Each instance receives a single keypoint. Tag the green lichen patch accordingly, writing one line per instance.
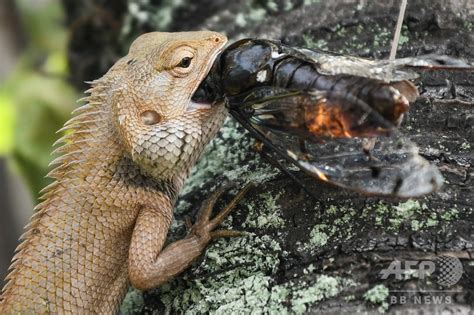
(252, 12)
(358, 38)
(310, 2)
(450, 214)
(403, 212)
(378, 295)
(318, 237)
(221, 157)
(264, 212)
(469, 26)
(311, 43)
(144, 12)
(335, 227)
(323, 288)
(133, 302)
(466, 146)
(237, 276)
(233, 274)
(411, 215)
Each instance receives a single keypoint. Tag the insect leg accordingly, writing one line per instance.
(273, 161)
(267, 156)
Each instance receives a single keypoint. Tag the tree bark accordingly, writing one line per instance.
(328, 254)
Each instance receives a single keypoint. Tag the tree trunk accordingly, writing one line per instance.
(341, 252)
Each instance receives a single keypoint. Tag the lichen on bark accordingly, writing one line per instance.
(301, 254)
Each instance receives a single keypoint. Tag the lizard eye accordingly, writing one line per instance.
(181, 61)
(185, 62)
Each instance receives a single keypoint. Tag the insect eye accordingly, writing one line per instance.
(185, 62)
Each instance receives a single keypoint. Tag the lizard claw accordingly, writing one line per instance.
(231, 205)
(206, 208)
(205, 226)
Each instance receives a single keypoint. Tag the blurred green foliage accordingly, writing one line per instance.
(7, 116)
(36, 99)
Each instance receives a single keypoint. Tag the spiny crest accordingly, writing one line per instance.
(83, 125)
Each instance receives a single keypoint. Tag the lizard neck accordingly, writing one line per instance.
(94, 153)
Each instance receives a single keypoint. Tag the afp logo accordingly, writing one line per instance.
(447, 270)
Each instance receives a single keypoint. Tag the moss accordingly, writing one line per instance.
(341, 217)
(337, 228)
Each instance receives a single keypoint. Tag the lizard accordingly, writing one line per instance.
(102, 224)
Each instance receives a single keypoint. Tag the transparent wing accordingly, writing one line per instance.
(337, 139)
(386, 70)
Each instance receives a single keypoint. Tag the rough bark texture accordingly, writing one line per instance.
(302, 254)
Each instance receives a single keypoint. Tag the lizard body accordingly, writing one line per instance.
(104, 220)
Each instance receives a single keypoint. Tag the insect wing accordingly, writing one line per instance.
(386, 70)
(338, 140)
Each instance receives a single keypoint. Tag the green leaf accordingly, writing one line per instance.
(7, 122)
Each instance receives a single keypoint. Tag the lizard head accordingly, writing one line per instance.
(163, 70)
(162, 129)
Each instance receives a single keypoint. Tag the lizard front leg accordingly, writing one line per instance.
(149, 265)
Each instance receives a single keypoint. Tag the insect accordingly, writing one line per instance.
(297, 101)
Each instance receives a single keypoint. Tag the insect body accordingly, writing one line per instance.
(297, 101)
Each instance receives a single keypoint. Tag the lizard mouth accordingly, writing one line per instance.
(208, 93)
(210, 90)
(198, 105)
